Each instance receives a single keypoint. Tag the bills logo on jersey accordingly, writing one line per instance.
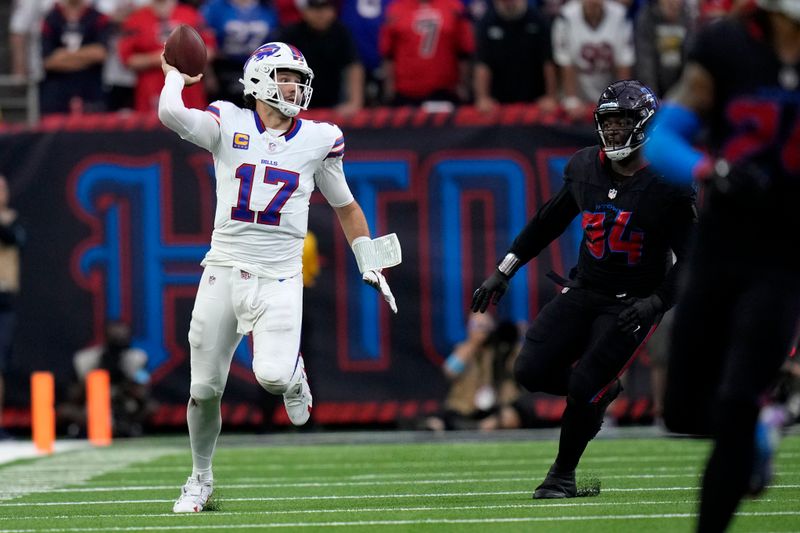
(241, 141)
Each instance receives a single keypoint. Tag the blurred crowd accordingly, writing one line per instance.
(104, 55)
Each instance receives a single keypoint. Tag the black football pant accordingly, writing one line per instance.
(733, 328)
(574, 348)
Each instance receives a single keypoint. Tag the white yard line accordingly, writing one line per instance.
(586, 464)
(352, 496)
(256, 483)
(14, 450)
(531, 505)
(423, 521)
(70, 468)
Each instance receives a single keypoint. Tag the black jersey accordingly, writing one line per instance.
(755, 125)
(631, 226)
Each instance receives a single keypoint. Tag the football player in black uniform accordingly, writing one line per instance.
(740, 307)
(632, 222)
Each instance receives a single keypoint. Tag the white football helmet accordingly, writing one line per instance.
(261, 82)
(790, 8)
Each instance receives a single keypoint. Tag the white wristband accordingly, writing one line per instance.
(509, 264)
(375, 254)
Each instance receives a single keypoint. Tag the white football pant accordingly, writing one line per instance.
(229, 304)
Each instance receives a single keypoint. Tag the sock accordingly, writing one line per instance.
(205, 422)
(579, 424)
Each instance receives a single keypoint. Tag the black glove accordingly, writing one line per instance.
(490, 290)
(639, 311)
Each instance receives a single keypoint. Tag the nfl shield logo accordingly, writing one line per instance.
(612, 193)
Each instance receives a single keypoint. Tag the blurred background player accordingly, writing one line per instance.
(632, 221)
(267, 164)
(739, 310)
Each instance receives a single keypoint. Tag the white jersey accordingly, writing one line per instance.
(594, 52)
(264, 180)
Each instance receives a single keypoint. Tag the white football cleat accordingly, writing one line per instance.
(298, 398)
(194, 496)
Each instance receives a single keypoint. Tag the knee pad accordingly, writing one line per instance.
(202, 392)
(272, 378)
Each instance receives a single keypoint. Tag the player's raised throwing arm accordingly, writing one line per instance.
(196, 126)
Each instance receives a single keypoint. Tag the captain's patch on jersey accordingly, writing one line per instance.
(241, 141)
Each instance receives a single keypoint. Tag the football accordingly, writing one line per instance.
(185, 50)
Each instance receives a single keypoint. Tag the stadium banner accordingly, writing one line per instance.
(119, 213)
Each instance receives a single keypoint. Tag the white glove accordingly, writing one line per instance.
(375, 279)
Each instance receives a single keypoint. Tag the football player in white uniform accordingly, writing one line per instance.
(267, 163)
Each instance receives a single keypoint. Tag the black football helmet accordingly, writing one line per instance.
(622, 112)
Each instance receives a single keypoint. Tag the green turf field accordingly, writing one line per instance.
(648, 485)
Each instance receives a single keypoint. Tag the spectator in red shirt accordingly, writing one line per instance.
(141, 45)
(426, 45)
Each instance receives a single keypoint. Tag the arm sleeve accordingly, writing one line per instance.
(332, 183)
(549, 222)
(683, 216)
(198, 127)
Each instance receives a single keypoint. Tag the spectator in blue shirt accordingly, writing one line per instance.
(240, 27)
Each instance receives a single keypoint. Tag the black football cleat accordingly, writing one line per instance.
(556, 485)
